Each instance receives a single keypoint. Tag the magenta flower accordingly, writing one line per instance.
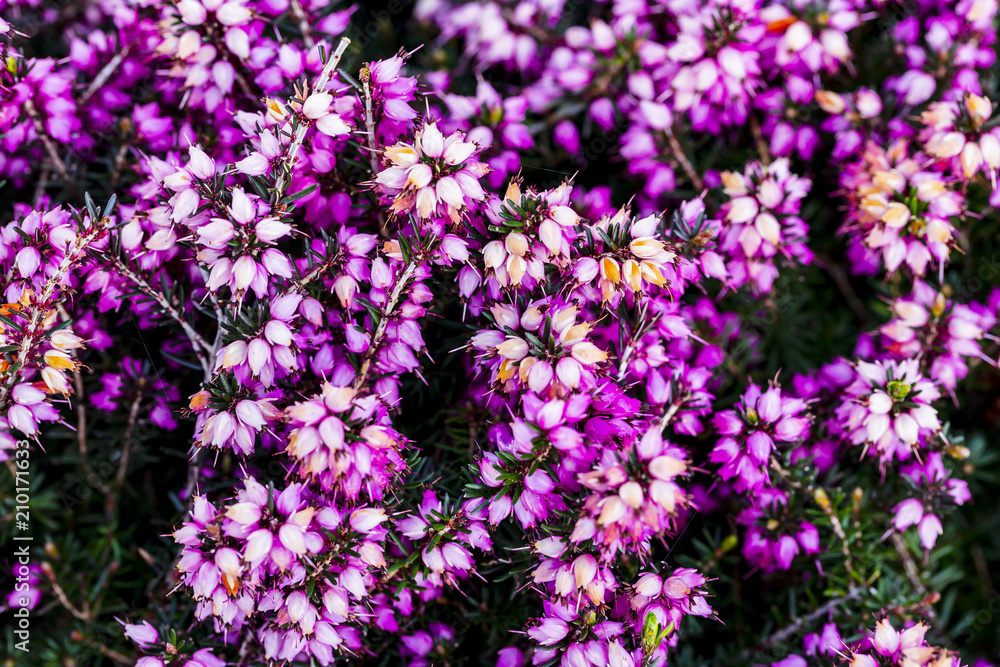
(889, 406)
(763, 222)
(435, 176)
(749, 436)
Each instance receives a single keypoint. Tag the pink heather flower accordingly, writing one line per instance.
(885, 217)
(763, 221)
(550, 631)
(538, 229)
(941, 332)
(715, 66)
(564, 361)
(343, 442)
(936, 491)
(629, 508)
(889, 406)
(954, 131)
(886, 639)
(748, 436)
(774, 536)
(142, 634)
(435, 176)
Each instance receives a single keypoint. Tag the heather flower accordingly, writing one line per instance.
(537, 228)
(435, 176)
(233, 423)
(636, 496)
(667, 598)
(954, 131)
(889, 407)
(444, 537)
(632, 259)
(938, 493)
(763, 221)
(906, 647)
(192, 34)
(900, 211)
(812, 41)
(783, 125)
(774, 535)
(717, 63)
(142, 634)
(943, 334)
(343, 443)
(551, 356)
(393, 93)
(749, 435)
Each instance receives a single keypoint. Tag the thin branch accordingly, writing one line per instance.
(911, 571)
(318, 270)
(60, 166)
(672, 411)
(43, 182)
(793, 629)
(200, 345)
(844, 285)
(641, 330)
(81, 436)
(128, 440)
(303, 21)
(372, 143)
(84, 615)
(119, 164)
(285, 175)
(758, 137)
(111, 654)
(390, 307)
(105, 74)
(370, 122)
(682, 158)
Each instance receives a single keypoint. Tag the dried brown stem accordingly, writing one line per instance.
(105, 74)
(81, 436)
(390, 307)
(200, 345)
(50, 147)
(119, 164)
(844, 285)
(111, 654)
(85, 614)
(911, 571)
(682, 159)
(758, 137)
(128, 441)
(303, 21)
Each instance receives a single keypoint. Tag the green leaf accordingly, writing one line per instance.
(11, 323)
(288, 199)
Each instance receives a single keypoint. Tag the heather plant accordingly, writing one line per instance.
(505, 332)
